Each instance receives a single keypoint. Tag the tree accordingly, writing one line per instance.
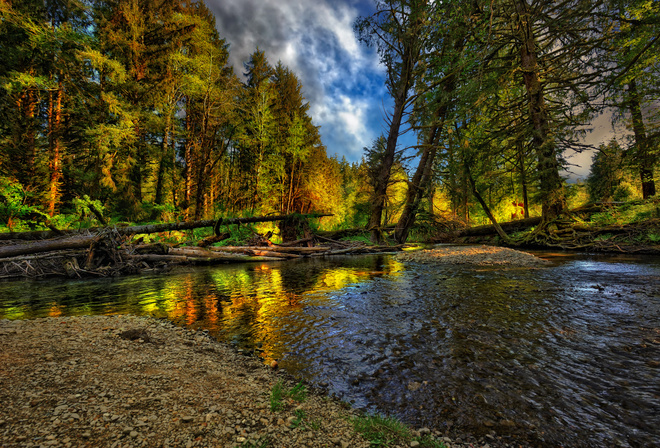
(295, 139)
(435, 95)
(258, 124)
(399, 30)
(606, 172)
(210, 88)
(631, 58)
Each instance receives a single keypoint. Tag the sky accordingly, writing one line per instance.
(342, 78)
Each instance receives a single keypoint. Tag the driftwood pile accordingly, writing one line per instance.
(113, 251)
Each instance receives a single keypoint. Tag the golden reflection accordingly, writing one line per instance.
(211, 307)
(256, 302)
(55, 310)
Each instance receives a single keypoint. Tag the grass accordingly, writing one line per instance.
(386, 431)
(261, 443)
(301, 419)
(630, 212)
(654, 237)
(358, 238)
(279, 393)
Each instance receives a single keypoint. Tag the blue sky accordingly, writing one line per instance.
(342, 79)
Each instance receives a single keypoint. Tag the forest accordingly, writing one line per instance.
(128, 111)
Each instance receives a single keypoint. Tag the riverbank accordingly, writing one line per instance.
(126, 381)
(474, 255)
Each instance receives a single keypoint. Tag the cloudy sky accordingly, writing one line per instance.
(342, 79)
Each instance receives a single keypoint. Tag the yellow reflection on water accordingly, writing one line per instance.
(55, 310)
(258, 302)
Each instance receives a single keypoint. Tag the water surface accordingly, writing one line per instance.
(563, 355)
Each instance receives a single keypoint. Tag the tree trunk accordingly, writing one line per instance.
(416, 188)
(422, 175)
(77, 242)
(550, 183)
(385, 170)
(485, 207)
(165, 148)
(644, 158)
(523, 179)
(188, 160)
(55, 146)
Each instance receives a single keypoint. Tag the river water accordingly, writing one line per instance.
(564, 355)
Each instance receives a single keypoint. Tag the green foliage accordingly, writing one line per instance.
(386, 431)
(279, 392)
(653, 237)
(606, 173)
(263, 442)
(364, 238)
(13, 200)
(630, 212)
(157, 124)
(298, 392)
(239, 234)
(381, 431)
(276, 396)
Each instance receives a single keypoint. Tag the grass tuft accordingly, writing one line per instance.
(387, 431)
(279, 392)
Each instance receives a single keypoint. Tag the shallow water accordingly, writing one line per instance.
(563, 355)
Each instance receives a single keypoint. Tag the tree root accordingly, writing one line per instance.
(629, 238)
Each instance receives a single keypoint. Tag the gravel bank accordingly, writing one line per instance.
(474, 255)
(76, 382)
(126, 381)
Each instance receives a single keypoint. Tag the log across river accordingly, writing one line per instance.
(564, 353)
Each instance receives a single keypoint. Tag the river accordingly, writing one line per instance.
(567, 354)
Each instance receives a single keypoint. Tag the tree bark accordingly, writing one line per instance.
(55, 146)
(77, 242)
(644, 159)
(408, 38)
(385, 171)
(550, 182)
(485, 207)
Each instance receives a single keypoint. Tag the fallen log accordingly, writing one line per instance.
(152, 228)
(296, 242)
(207, 254)
(524, 224)
(35, 247)
(271, 253)
(299, 250)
